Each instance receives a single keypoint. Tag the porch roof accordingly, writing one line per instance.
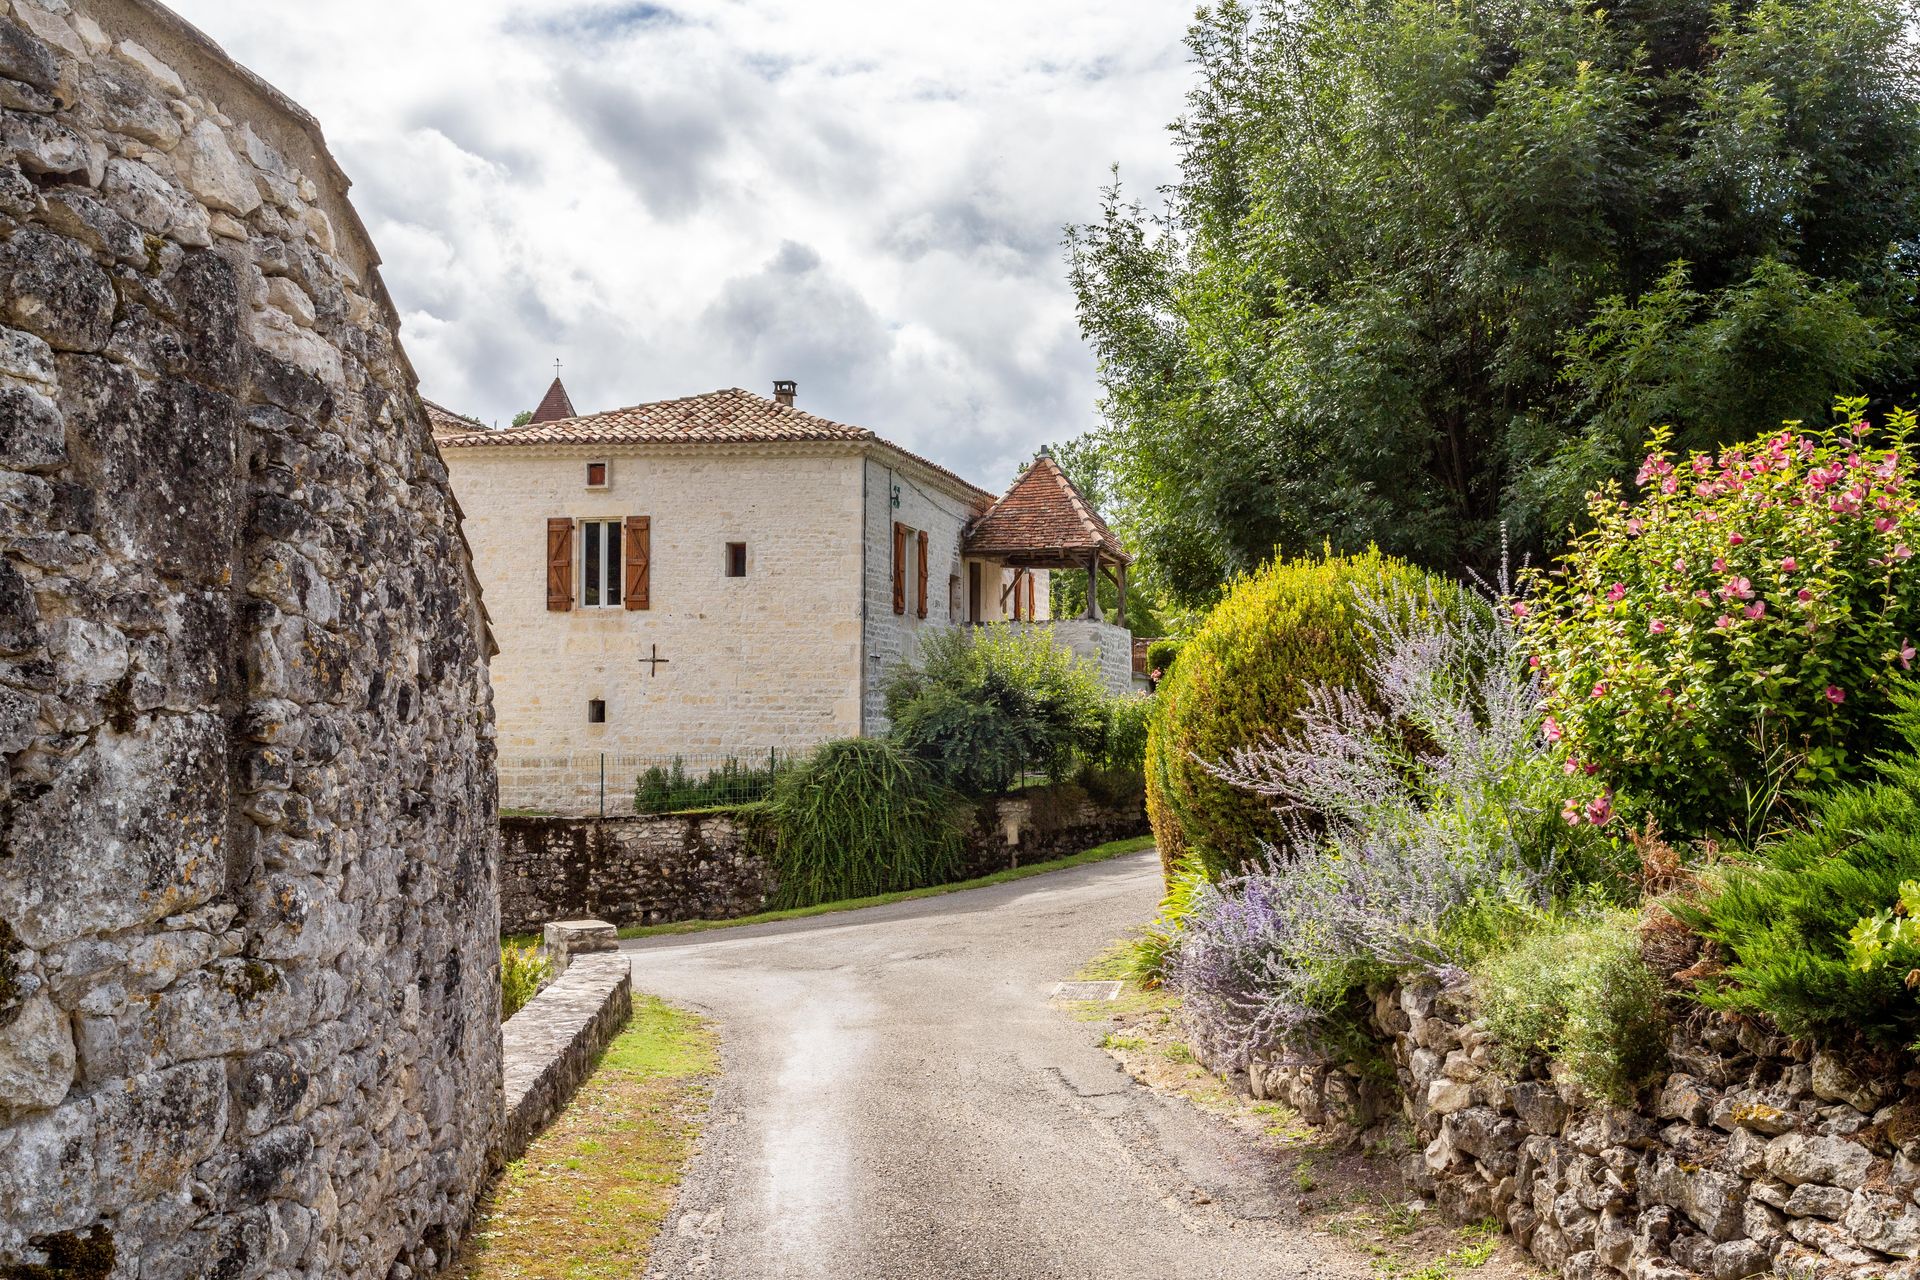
(1044, 522)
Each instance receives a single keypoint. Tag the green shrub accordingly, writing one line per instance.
(1150, 950)
(1785, 923)
(1578, 991)
(986, 705)
(1242, 679)
(1161, 655)
(861, 817)
(1739, 623)
(524, 969)
(670, 788)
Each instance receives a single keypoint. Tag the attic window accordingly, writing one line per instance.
(596, 475)
(596, 710)
(736, 559)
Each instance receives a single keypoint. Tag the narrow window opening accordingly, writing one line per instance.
(736, 559)
(596, 710)
(596, 475)
(600, 564)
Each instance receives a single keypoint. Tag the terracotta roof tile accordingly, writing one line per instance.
(446, 422)
(732, 416)
(554, 406)
(1043, 512)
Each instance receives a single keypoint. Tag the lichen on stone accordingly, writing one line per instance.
(71, 1255)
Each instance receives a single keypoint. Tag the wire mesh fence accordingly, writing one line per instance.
(609, 783)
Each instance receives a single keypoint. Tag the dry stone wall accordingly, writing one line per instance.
(248, 993)
(1755, 1157)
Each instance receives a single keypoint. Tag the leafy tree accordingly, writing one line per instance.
(1429, 268)
(523, 417)
(1086, 466)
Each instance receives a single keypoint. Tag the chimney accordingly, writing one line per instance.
(784, 390)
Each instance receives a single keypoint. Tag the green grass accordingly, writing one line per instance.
(1100, 853)
(588, 1198)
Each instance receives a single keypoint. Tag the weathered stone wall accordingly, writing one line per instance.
(551, 1045)
(248, 1003)
(1755, 1156)
(709, 866)
(1108, 646)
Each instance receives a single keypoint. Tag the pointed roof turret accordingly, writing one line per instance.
(554, 406)
(1044, 522)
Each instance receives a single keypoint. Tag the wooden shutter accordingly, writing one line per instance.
(899, 567)
(559, 564)
(921, 599)
(639, 558)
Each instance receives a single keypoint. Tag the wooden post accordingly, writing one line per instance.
(1093, 587)
(1122, 584)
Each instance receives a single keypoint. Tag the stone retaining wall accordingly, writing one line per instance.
(550, 1045)
(708, 866)
(248, 965)
(1755, 1156)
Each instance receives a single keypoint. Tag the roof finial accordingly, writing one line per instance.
(1046, 451)
(556, 366)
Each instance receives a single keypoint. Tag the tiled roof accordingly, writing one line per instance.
(554, 406)
(448, 423)
(1043, 512)
(732, 416)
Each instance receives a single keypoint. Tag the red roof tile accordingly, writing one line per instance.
(1043, 512)
(446, 422)
(554, 406)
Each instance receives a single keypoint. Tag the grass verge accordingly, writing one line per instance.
(587, 1199)
(1099, 853)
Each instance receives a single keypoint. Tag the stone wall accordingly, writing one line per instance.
(551, 1045)
(660, 869)
(1755, 1156)
(1106, 645)
(248, 993)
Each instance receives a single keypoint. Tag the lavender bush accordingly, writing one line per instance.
(1418, 828)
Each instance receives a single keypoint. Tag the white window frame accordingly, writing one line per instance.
(611, 553)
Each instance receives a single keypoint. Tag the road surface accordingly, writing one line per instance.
(901, 1100)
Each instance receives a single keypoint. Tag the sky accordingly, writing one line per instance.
(674, 197)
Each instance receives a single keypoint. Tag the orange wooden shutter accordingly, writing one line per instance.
(559, 564)
(921, 604)
(639, 557)
(899, 567)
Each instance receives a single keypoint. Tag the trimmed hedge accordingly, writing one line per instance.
(1242, 678)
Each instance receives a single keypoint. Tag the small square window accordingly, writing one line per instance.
(596, 711)
(736, 559)
(596, 475)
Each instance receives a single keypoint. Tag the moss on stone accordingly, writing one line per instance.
(71, 1255)
(250, 978)
(9, 975)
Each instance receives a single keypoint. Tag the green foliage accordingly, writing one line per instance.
(1242, 679)
(1744, 619)
(1417, 277)
(524, 969)
(671, 789)
(1794, 925)
(1149, 951)
(523, 417)
(985, 705)
(1890, 937)
(1161, 655)
(1578, 991)
(861, 817)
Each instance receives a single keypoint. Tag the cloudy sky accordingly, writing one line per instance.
(670, 197)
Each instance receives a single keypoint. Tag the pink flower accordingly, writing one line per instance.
(1789, 565)
(1680, 565)
(1670, 485)
(1723, 621)
(1757, 610)
(1520, 609)
(1883, 524)
(1599, 809)
(1836, 695)
(1616, 593)
(1906, 655)
(1658, 627)
(1552, 729)
(1902, 551)
(1735, 540)
(1719, 565)
(1533, 662)
(1600, 689)
(1804, 596)
(1634, 526)
(1570, 814)
(1570, 767)
(1738, 589)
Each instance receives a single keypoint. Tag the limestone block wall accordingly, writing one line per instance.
(248, 972)
(769, 660)
(1108, 646)
(1756, 1156)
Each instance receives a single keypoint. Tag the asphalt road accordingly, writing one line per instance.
(901, 1100)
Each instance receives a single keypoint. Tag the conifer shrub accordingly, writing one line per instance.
(1578, 991)
(1242, 679)
(1794, 928)
(524, 969)
(861, 817)
(1733, 633)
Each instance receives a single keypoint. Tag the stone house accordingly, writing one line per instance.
(727, 575)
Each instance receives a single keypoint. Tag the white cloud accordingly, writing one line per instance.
(672, 197)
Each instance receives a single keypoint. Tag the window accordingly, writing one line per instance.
(736, 559)
(596, 710)
(596, 475)
(599, 564)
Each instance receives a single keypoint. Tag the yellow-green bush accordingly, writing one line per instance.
(1242, 678)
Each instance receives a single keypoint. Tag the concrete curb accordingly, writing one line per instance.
(550, 1046)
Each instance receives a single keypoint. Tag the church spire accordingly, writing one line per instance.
(555, 405)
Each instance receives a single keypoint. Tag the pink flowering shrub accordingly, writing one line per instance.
(1740, 624)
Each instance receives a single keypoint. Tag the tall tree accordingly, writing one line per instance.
(1436, 266)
